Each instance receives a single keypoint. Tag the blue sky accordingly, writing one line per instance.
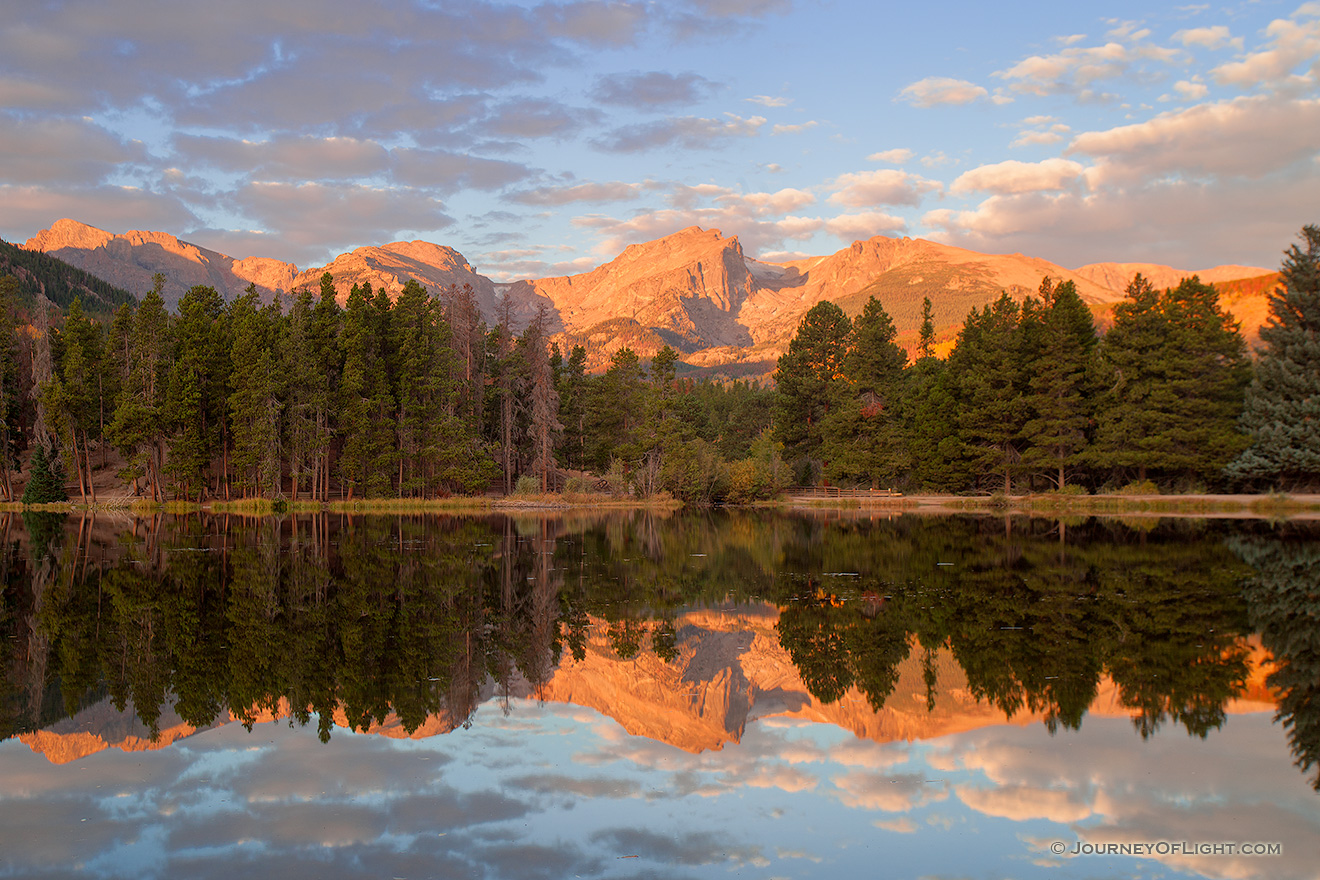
(554, 790)
(540, 138)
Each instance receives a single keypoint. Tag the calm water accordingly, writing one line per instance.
(697, 695)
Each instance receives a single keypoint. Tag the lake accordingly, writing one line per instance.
(629, 695)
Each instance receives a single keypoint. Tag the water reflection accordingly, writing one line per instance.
(930, 649)
(417, 620)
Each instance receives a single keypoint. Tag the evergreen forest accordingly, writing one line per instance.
(416, 396)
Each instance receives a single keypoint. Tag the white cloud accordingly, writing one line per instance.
(1292, 44)
(330, 216)
(895, 156)
(1023, 802)
(689, 132)
(1070, 70)
(61, 150)
(1019, 177)
(780, 202)
(768, 101)
(794, 129)
(859, 227)
(1209, 37)
(864, 189)
(1248, 136)
(893, 794)
(608, 191)
(1043, 130)
(935, 90)
(1169, 221)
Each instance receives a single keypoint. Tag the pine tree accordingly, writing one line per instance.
(366, 411)
(196, 402)
(138, 428)
(46, 483)
(545, 425)
(926, 347)
(571, 384)
(1282, 411)
(616, 412)
(71, 397)
(254, 405)
(9, 394)
(1060, 379)
(989, 382)
(1174, 370)
(327, 356)
(808, 378)
(298, 365)
(862, 438)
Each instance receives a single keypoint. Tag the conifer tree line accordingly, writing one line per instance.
(1032, 397)
(413, 396)
(417, 397)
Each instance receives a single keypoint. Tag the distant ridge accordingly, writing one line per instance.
(695, 290)
(58, 281)
(130, 260)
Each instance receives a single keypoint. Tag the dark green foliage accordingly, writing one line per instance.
(366, 414)
(862, 438)
(926, 344)
(39, 273)
(1282, 411)
(990, 383)
(1285, 610)
(255, 401)
(1059, 381)
(807, 379)
(139, 427)
(1174, 369)
(195, 405)
(46, 480)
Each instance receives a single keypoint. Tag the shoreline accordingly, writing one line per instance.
(1227, 506)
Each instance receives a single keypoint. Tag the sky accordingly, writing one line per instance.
(540, 138)
(553, 790)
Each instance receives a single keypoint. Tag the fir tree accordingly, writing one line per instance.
(197, 398)
(862, 438)
(254, 405)
(1282, 411)
(926, 346)
(138, 429)
(1174, 368)
(366, 407)
(1060, 378)
(46, 483)
(987, 367)
(808, 378)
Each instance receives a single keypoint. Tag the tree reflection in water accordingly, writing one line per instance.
(353, 619)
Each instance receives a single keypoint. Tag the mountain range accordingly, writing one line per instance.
(695, 290)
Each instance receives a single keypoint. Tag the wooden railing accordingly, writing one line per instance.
(824, 492)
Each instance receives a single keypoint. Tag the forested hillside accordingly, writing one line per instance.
(417, 397)
(38, 273)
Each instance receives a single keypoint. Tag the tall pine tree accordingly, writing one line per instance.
(1060, 377)
(1282, 411)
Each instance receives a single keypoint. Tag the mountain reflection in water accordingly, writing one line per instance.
(693, 630)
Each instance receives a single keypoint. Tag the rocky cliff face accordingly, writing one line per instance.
(687, 287)
(131, 260)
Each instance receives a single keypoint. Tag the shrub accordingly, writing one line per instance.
(527, 485)
(1139, 487)
(578, 485)
(47, 482)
